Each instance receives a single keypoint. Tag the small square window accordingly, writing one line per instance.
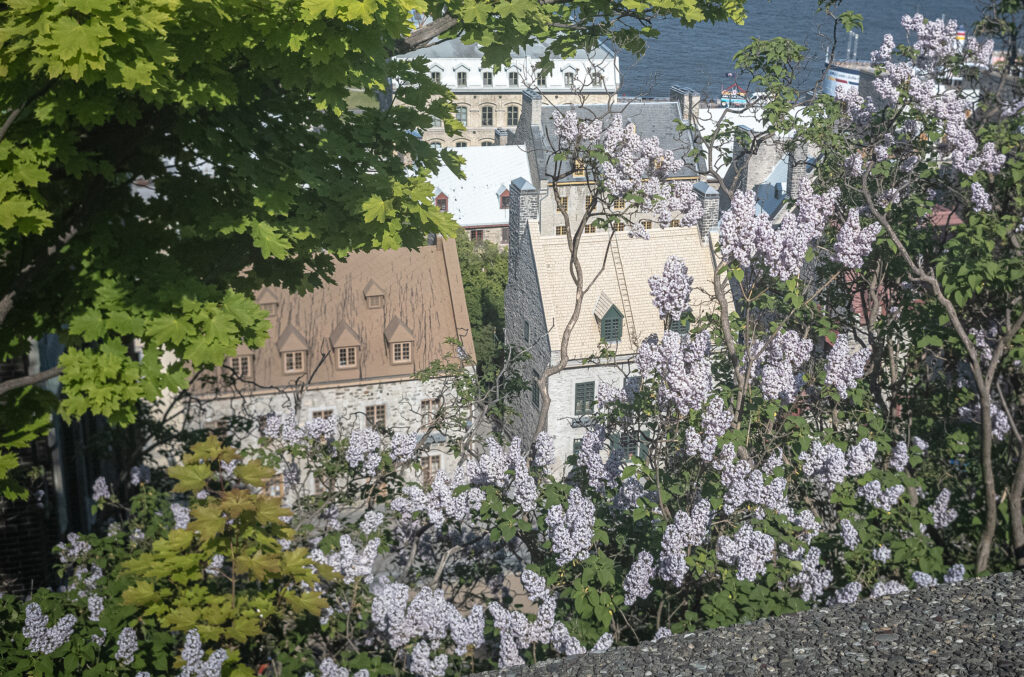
(346, 357)
(323, 413)
(611, 328)
(584, 398)
(506, 201)
(560, 230)
(619, 226)
(294, 361)
(674, 224)
(476, 234)
(375, 301)
(461, 144)
(271, 308)
(619, 203)
(375, 416)
(488, 78)
(241, 366)
(428, 411)
(563, 203)
(460, 78)
(487, 116)
(579, 169)
(589, 228)
(401, 352)
(275, 486)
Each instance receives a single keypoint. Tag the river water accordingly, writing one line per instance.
(700, 57)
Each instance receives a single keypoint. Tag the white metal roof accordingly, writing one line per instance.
(475, 200)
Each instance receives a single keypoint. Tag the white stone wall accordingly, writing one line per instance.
(563, 423)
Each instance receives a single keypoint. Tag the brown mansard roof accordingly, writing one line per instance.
(424, 303)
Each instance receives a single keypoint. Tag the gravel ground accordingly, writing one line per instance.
(970, 628)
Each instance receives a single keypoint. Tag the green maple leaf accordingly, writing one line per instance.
(254, 473)
(190, 477)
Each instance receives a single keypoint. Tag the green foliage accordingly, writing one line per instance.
(484, 267)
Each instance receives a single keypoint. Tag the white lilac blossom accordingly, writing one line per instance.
(284, 429)
(364, 450)
(370, 521)
(688, 530)
(466, 631)
(348, 560)
(919, 443)
(861, 457)
(746, 230)
(328, 668)
(682, 367)
(42, 637)
(403, 447)
(775, 363)
(661, 634)
(634, 167)
(812, 578)
(137, 536)
(715, 420)
(601, 473)
(603, 643)
(427, 616)
(544, 449)
(440, 503)
(873, 493)
(826, 464)
(980, 340)
(421, 664)
(806, 521)
(854, 241)
(73, 550)
(638, 581)
(900, 456)
(138, 475)
(883, 588)
(923, 580)
(571, 528)
(748, 550)
(325, 616)
(881, 554)
(127, 645)
(1000, 423)
(100, 490)
(942, 514)
(849, 532)
(85, 579)
(848, 594)
(181, 515)
(325, 429)
(980, 198)
(845, 366)
(671, 290)
(95, 605)
(192, 656)
(514, 629)
(955, 574)
(215, 566)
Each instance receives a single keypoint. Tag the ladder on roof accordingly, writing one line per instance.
(620, 278)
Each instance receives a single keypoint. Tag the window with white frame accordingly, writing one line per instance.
(294, 361)
(347, 357)
(401, 352)
(241, 366)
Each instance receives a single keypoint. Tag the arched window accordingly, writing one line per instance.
(436, 145)
(487, 116)
(486, 143)
(462, 114)
(461, 144)
(512, 115)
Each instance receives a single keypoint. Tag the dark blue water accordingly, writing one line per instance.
(700, 57)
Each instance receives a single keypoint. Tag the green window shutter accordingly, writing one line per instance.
(678, 327)
(611, 325)
(584, 398)
(535, 390)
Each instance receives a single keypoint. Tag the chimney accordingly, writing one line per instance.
(530, 115)
(503, 137)
(796, 173)
(688, 100)
(709, 201)
(524, 205)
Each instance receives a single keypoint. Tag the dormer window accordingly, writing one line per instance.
(609, 319)
(504, 200)
(442, 202)
(375, 301)
(569, 78)
(347, 357)
(513, 78)
(294, 361)
(271, 308)
(460, 78)
(435, 76)
(401, 352)
(374, 295)
(488, 78)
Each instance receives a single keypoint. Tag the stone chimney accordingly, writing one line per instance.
(529, 117)
(524, 205)
(709, 201)
(796, 173)
(503, 137)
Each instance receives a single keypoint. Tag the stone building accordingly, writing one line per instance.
(617, 311)
(351, 350)
(488, 99)
(480, 201)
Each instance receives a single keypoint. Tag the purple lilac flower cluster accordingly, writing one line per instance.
(440, 503)
(544, 449)
(942, 514)
(100, 490)
(635, 167)
(637, 584)
(127, 645)
(828, 465)
(682, 366)
(95, 606)
(403, 447)
(328, 668)
(426, 616)
(1000, 423)
(749, 551)
(671, 290)
(715, 420)
(775, 364)
(364, 450)
(138, 475)
(571, 528)
(900, 456)
(182, 515)
(601, 473)
(215, 566)
(812, 578)
(883, 588)
(848, 594)
(73, 550)
(688, 530)
(192, 655)
(43, 638)
(854, 241)
(849, 533)
(421, 664)
(881, 554)
(845, 366)
(371, 521)
(883, 499)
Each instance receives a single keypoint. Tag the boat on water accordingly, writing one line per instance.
(734, 96)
